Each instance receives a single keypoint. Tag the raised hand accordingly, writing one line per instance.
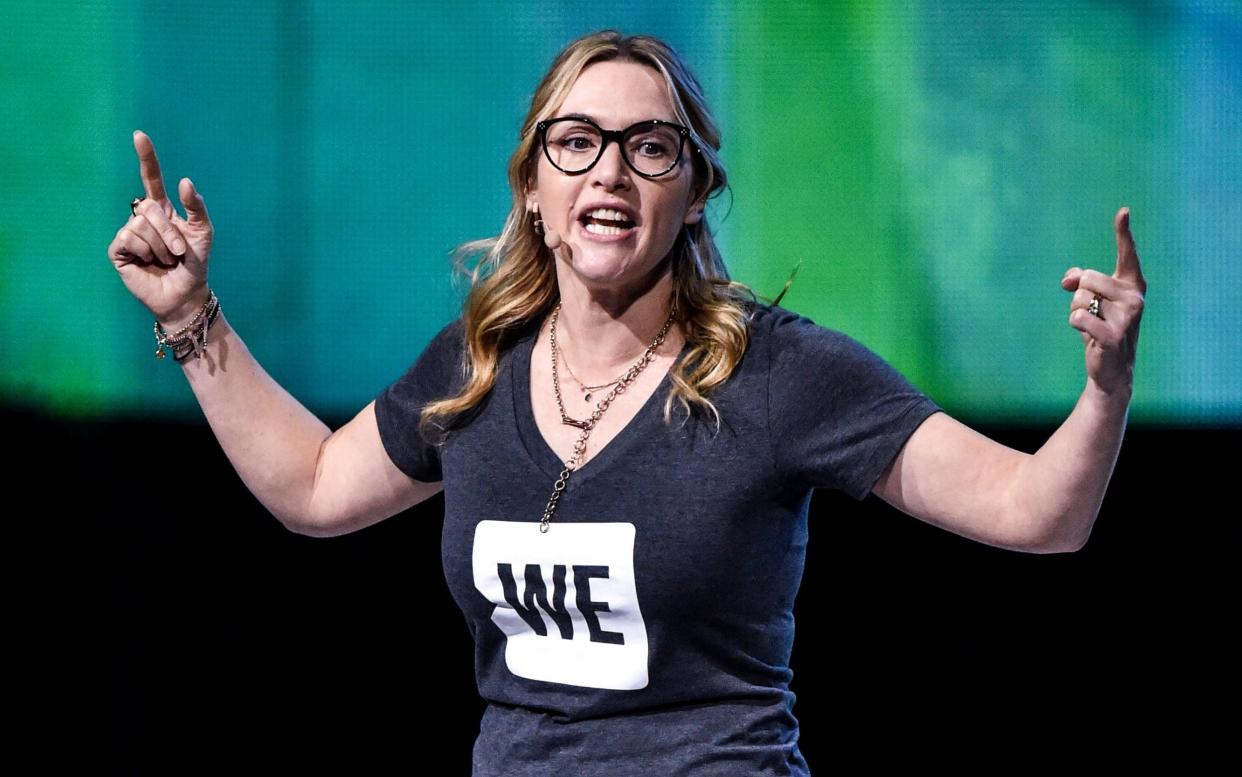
(1110, 334)
(160, 256)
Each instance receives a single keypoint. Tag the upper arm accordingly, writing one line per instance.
(356, 482)
(951, 476)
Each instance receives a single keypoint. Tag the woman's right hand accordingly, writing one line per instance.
(162, 257)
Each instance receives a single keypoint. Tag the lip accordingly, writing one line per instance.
(629, 212)
(585, 235)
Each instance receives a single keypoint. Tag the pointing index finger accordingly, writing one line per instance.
(1127, 255)
(149, 167)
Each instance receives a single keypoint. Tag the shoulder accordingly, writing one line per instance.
(791, 336)
(451, 335)
(438, 364)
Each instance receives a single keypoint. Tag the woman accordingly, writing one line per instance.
(627, 441)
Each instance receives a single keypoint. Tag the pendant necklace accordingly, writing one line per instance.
(589, 424)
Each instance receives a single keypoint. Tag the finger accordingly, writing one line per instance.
(192, 201)
(141, 226)
(118, 250)
(1088, 324)
(1095, 282)
(130, 247)
(149, 167)
(169, 234)
(1083, 299)
(1069, 281)
(1127, 255)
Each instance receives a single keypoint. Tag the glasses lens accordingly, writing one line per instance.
(652, 148)
(572, 145)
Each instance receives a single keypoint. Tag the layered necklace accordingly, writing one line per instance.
(586, 426)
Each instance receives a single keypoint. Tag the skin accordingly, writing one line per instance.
(951, 476)
(614, 294)
(161, 256)
(615, 297)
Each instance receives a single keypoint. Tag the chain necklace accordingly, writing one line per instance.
(589, 424)
(586, 390)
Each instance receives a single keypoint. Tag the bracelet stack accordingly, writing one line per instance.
(191, 338)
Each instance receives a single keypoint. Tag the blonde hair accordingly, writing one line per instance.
(514, 282)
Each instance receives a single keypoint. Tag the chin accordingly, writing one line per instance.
(602, 276)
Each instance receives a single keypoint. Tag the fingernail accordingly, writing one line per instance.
(179, 247)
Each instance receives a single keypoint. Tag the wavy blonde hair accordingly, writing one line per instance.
(514, 283)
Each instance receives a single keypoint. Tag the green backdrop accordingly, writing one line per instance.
(935, 166)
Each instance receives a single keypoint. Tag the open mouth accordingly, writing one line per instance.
(606, 221)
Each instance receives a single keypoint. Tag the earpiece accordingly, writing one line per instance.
(550, 238)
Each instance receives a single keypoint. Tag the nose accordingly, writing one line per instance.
(611, 172)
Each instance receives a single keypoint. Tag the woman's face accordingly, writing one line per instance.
(616, 95)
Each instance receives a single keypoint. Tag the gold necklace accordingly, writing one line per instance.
(589, 424)
(586, 390)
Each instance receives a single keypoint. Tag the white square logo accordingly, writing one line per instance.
(566, 601)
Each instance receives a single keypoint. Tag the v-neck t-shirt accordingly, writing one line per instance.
(650, 629)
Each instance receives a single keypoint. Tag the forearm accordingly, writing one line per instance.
(1059, 490)
(270, 438)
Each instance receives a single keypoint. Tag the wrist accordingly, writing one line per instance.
(191, 338)
(182, 315)
(1117, 396)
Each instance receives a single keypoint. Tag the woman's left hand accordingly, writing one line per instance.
(1111, 333)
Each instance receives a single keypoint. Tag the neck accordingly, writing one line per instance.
(601, 333)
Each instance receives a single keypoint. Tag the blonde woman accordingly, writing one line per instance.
(627, 440)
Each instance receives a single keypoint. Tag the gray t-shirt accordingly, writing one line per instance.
(649, 630)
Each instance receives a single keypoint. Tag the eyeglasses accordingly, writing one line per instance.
(573, 144)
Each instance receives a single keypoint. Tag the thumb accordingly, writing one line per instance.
(195, 208)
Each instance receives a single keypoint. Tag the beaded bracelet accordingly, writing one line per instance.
(191, 338)
(193, 347)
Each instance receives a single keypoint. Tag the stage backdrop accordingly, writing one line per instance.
(934, 166)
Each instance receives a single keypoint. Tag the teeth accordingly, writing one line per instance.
(608, 214)
(600, 229)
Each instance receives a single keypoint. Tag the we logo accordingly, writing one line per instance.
(566, 601)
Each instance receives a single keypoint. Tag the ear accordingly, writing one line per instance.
(532, 197)
(695, 214)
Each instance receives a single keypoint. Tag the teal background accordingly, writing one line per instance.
(935, 166)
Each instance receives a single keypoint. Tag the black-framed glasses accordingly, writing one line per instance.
(573, 144)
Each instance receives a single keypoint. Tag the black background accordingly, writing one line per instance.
(167, 623)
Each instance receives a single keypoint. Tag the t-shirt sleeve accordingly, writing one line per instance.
(435, 375)
(838, 413)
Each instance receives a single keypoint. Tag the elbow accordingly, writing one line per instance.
(1057, 542)
(297, 526)
(1057, 548)
(306, 529)
(1035, 535)
(312, 527)
(308, 523)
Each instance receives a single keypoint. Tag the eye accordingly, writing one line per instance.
(652, 148)
(574, 140)
(576, 143)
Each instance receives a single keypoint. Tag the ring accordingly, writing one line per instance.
(1094, 307)
(133, 204)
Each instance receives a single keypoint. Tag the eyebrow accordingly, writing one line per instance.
(597, 121)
